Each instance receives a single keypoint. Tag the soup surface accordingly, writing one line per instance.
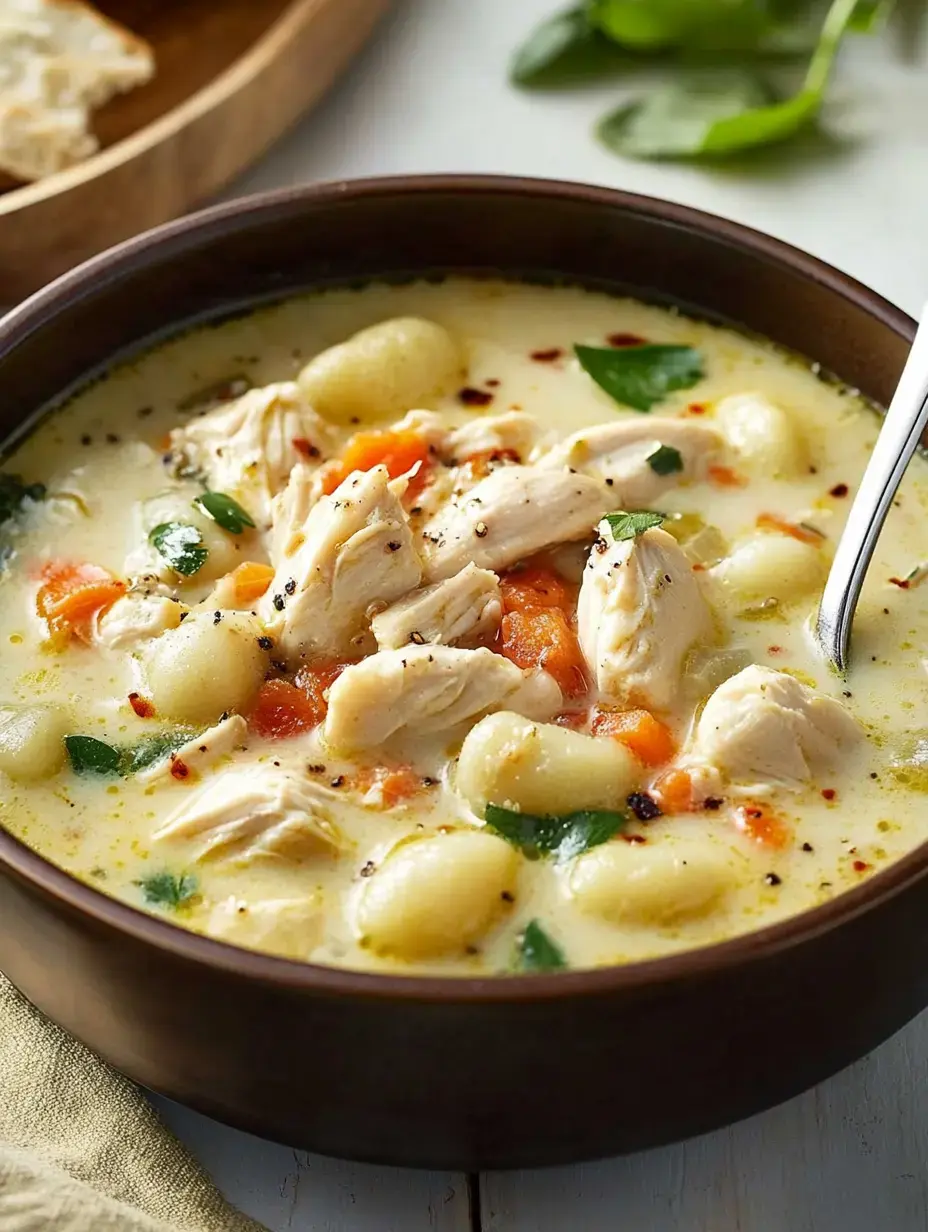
(475, 642)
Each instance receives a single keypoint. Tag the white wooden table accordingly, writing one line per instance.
(852, 1155)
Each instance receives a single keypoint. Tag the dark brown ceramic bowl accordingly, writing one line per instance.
(471, 1073)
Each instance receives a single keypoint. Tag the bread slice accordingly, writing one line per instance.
(58, 60)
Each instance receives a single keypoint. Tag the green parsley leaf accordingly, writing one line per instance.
(641, 376)
(537, 952)
(151, 749)
(561, 837)
(228, 513)
(565, 48)
(631, 525)
(90, 756)
(665, 460)
(168, 890)
(181, 545)
(13, 492)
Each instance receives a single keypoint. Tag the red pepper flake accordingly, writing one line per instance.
(305, 447)
(829, 793)
(634, 838)
(492, 382)
(626, 340)
(774, 650)
(474, 397)
(547, 356)
(860, 866)
(179, 769)
(696, 408)
(840, 489)
(141, 705)
(902, 583)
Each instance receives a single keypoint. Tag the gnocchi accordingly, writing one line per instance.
(769, 566)
(764, 437)
(31, 741)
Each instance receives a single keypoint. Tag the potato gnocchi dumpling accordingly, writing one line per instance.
(371, 635)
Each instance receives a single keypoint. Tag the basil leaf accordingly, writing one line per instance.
(13, 492)
(561, 837)
(181, 545)
(152, 749)
(665, 460)
(168, 890)
(223, 509)
(640, 376)
(90, 756)
(537, 951)
(565, 48)
(630, 525)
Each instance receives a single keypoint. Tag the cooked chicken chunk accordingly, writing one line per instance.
(515, 432)
(619, 451)
(432, 689)
(513, 513)
(467, 605)
(199, 753)
(639, 614)
(135, 618)
(290, 509)
(254, 812)
(248, 447)
(763, 727)
(357, 551)
(293, 927)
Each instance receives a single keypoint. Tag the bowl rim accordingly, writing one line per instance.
(40, 311)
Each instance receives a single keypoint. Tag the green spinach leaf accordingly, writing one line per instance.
(665, 460)
(181, 545)
(169, 890)
(641, 376)
(90, 756)
(565, 48)
(560, 837)
(630, 525)
(151, 749)
(225, 511)
(537, 952)
(13, 492)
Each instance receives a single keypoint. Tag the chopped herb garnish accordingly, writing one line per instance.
(565, 48)
(13, 492)
(169, 890)
(630, 525)
(90, 756)
(560, 837)
(537, 952)
(152, 749)
(665, 460)
(641, 376)
(225, 511)
(181, 545)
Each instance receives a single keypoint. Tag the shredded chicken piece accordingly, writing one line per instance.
(356, 552)
(639, 614)
(257, 812)
(188, 762)
(513, 432)
(467, 605)
(248, 447)
(620, 451)
(136, 618)
(290, 509)
(513, 513)
(763, 728)
(430, 688)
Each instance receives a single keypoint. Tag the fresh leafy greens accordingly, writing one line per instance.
(225, 511)
(537, 952)
(630, 525)
(181, 545)
(88, 755)
(169, 890)
(151, 749)
(560, 837)
(565, 48)
(13, 492)
(641, 376)
(665, 460)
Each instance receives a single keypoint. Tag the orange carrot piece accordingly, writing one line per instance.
(644, 735)
(314, 682)
(760, 823)
(399, 452)
(543, 637)
(725, 477)
(250, 580)
(396, 783)
(535, 586)
(674, 792)
(71, 596)
(282, 710)
(805, 534)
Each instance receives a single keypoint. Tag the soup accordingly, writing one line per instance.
(458, 628)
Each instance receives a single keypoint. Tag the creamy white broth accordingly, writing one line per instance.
(102, 454)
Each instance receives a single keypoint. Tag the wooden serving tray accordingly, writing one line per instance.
(231, 77)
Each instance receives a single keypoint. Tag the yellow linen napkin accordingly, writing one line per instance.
(81, 1149)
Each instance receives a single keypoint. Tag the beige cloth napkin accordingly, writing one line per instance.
(81, 1149)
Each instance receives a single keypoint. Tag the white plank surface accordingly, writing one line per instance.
(430, 95)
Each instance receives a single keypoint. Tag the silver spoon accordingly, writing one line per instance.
(900, 434)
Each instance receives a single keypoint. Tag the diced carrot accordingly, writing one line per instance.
(396, 783)
(543, 637)
(314, 682)
(399, 452)
(282, 710)
(674, 792)
(142, 706)
(725, 477)
(759, 822)
(250, 580)
(535, 586)
(646, 736)
(805, 534)
(71, 596)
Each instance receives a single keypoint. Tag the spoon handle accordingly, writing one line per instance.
(900, 434)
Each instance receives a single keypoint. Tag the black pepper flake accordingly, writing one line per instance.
(773, 879)
(609, 483)
(112, 438)
(86, 439)
(416, 510)
(481, 530)
(223, 716)
(643, 806)
(279, 602)
(183, 616)
(428, 781)
(315, 768)
(394, 545)
(471, 950)
(265, 642)
(840, 489)
(369, 869)
(416, 638)
(474, 397)
(338, 781)
(713, 803)
(807, 847)
(217, 616)
(144, 411)
(290, 586)
(507, 897)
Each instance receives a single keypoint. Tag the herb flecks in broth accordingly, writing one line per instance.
(641, 376)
